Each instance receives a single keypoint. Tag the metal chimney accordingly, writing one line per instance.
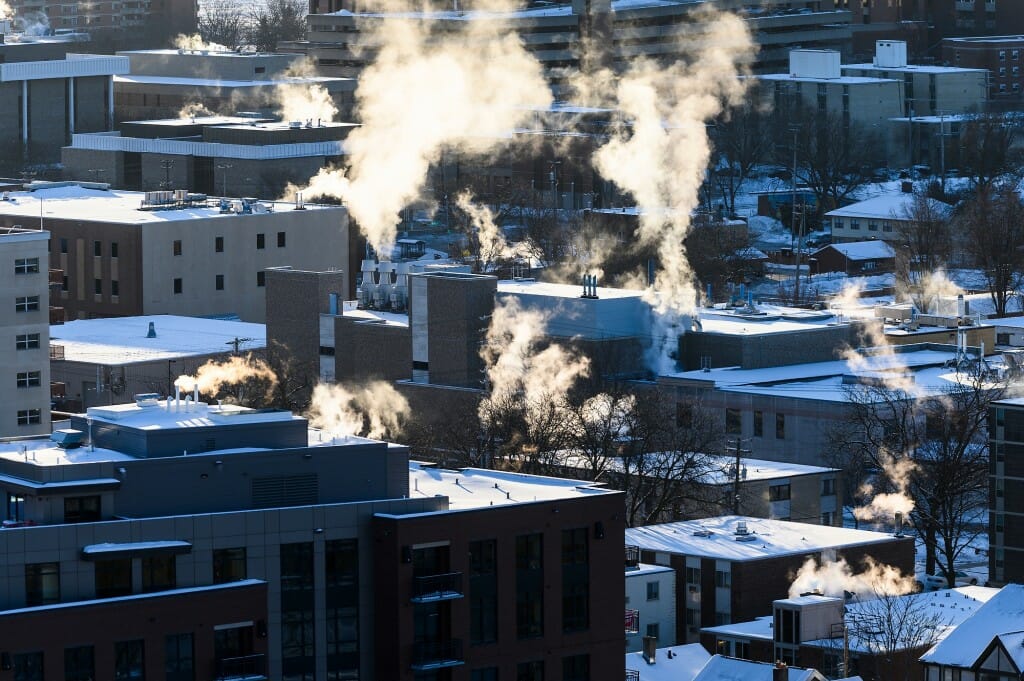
(152, 330)
(780, 672)
(650, 650)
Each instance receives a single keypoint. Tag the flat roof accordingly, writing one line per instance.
(769, 319)
(647, 569)
(122, 340)
(771, 538)
(470, 488)
(760, 628)
(140, 79)
(170, 415)
(841, 80)
(542, 288)
(911, 68)
(75, 202)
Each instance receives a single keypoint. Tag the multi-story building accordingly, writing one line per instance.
(130, 253)
(109, 21)
(24, 333)
(171, 83)
(882, 217)
(1006, 482)
(927, 90)
(650, 602)
(1000, 55)
(221, 542)
(731, 568)
(47, 95)
(104, 361)
(220, 155)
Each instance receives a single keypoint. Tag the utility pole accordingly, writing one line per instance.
(739, 451)
(167, 164)
(792, 224)
(942, 149)
(224, 178)
(553, 177)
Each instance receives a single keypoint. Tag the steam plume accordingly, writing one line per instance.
(194, 110)
(885, 505)
(493, 245)
(661, 155)
(212, 377)
(303, 101)
(422, 94)
(375, 410)
(833, 578)
(195, 43)
(5, 11)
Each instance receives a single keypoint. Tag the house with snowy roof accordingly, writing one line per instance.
(855, 258)
(879, 217)
(988, 646)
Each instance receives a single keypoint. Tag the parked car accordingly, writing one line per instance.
(926, 582)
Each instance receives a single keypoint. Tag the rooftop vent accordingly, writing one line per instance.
(703, 533)
(147, 399)
(67, 438)
(151, 333)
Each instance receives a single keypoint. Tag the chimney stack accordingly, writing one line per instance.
(780, 672)
(650, 650)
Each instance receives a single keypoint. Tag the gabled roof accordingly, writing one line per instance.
(685, 663)
(887, 207)
(862, 250)
(1002, 617)
(721, 668)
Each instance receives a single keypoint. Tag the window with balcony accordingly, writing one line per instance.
(42, 584)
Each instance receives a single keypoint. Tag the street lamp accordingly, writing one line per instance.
(224, 178)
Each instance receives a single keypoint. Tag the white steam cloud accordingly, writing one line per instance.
(421, 95)
(492, 242)
(833, 578)
(195, 43)
(375, 410)
(213, 376)
(884, 505)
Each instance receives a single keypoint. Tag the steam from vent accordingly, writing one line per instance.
(194, 110)
(518, 365)
(660, 149)
(934, 286)
(493, 245)
(213, 377)
(304, 101)
(32, 22)
(423, 94)
(195, 43)
(885, 505)
(5, 11)
(833, 578)
(375, 410)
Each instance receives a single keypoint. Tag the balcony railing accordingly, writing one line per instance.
(632, 556)
(632, 622)
(244, 667)
(437, 654)
(444, 587)
(632, 675)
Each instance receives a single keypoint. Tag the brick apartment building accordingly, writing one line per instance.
(222, 542)
(731, 568)
(123, 256)
(1001, 55)
(1006, 485)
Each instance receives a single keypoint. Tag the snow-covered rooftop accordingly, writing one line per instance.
(760, 628)
(684, 664)
(1002, 615)
(843, 80)
(538, 288)
(644, 569)
(771, 319)
(138, 79)
(912, 68)
(75, 202)
(721, 668)
(469, 488)
(122, 340)
(770, 538)
(862, 250)
(886, 207)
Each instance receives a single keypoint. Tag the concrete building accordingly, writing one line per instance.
(108, 22)
(882, 217)
(1006, 480)
(240, 543)
(103, 361)
(650, 603)
(215, 155)
(130, 254)
(927, 90)
(999, 54)
(24, 333)
(176, 83)
(731, 568)
(46, 95)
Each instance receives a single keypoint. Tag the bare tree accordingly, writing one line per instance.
(924, 244)
(223, 23)
(741, 140)
(277, 21)
(989, 149)
(994, 221)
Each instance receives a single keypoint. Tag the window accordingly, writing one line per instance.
(229, 565)
(128, 661)
(97, 248)
(485, 674)
(576, 668)
(26, 303)
(113, 578)
(261, 241)
(692, 575)
(854, 224)
(63, 245)
(82, 509)
(341, 575)
(64, 283)
(28, 666)
(575, 580)
(483, 591)
(159, 573)
(97, 286)
(722, 618)
(872, 226)
(828, 487)
(733, 421)
(218, 244)
(530, 671)
(42, 584)
(758, 423)
(177, 285)
(280, 239)
(29, 379)
(26, 341)
(652, 630)
(113, 249)
(26, 265)
(177, 247)
(886, 226)
(1002, 72)
(261, 278)
(297, 622)
(29, 417)
(79, 664)
(1015, 54)
(723, 579)
(529, 586)
(15, 507)
(828, 518)
(653, 591)
(780, 426)
(778, 492)
(1002, 55)
(115, 288)
(179, 660)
